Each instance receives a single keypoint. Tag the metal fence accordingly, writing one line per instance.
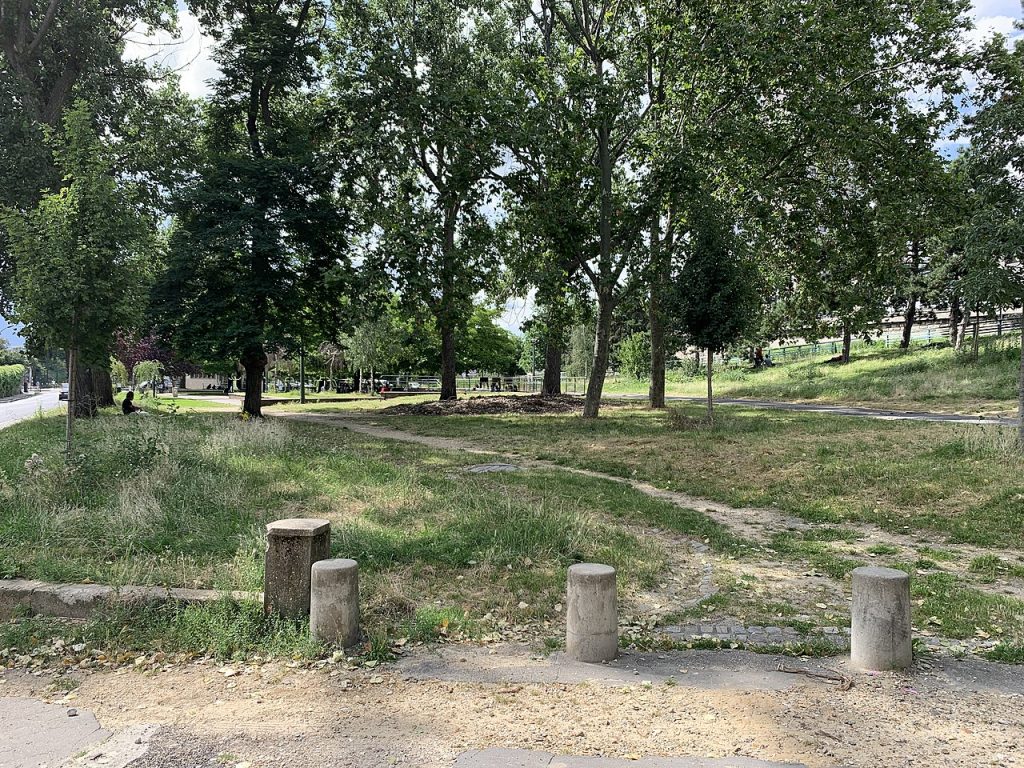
(927, 334)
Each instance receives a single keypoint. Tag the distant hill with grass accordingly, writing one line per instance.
(936, 378)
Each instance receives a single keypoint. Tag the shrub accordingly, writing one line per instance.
(10, 379)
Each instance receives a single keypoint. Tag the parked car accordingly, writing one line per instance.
(64, 392)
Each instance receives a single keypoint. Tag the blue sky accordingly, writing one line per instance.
(190, 55)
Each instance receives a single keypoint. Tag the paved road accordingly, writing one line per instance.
(13, 411)
(839, 410)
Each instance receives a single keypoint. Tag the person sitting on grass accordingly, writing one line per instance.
(128, 405)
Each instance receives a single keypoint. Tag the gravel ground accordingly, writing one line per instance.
(274, 714)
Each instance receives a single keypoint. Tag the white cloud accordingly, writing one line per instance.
(516, 311)
(189, 53)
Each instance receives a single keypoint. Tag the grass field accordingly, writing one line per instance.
(961, 481)
(920, 378)
(182, 498)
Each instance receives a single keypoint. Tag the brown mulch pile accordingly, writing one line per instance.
(490, 405)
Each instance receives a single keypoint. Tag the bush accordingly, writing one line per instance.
(10, 379)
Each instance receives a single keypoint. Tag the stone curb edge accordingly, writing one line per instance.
(80, 601)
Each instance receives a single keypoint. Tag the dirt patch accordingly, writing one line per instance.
(273, 715)
(489, 406)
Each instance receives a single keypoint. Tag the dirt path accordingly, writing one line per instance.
(757, 524)
(428, 711)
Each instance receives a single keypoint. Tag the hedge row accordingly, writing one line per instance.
(10, 379)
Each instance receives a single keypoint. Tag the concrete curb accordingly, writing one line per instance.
(80, 601)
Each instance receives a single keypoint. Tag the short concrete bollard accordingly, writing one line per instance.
(592, 625)
(334, 602)
(880, 633)
(293, 546)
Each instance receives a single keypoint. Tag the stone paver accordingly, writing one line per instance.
(34, 734)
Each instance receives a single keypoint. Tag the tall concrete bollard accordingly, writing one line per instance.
(592, 626)
(880, 633)
(293, 546)
(334, 602)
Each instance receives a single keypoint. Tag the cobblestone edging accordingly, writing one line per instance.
(755, 635)
(839, 637)
(707, 587)
(80, 601)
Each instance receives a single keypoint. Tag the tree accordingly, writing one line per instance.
(717, 298)
(634, 355)
(50, 53)
(425, 76)
(79, 260)
(996, 232)
(259, 232)
(373, 346)
(486, 347)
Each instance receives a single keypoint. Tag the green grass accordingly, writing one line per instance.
(183, 500)
(918, 378)
(957, 481)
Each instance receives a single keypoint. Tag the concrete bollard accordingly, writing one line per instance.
(334, 602)
(293, 546)
(880, 633)
(592, 625)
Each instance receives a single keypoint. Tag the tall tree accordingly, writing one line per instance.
(259, 232)
(425, 76)
(996, 232)
(51, 52)
(79, 258)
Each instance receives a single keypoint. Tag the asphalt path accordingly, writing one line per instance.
(13, 410)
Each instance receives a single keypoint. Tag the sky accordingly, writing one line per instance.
(190, 53)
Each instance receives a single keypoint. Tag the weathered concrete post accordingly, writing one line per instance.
(293, 546)
(880, 633)
(592, 626)
(334, 602)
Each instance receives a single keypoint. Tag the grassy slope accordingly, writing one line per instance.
(926, 379)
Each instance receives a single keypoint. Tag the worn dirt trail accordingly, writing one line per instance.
(757, 524)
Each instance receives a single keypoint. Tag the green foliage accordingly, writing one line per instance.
(118, 373)
(487, 347)
(147, 370)
(10, 379)
(80, 254)
(634, 355)
(717, 288)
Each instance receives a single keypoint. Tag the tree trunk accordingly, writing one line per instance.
(552, 386)
(908, 322)
(448, 391)
(911, 315)
(977, 323)
(592, 401)
(1020, 395)
(69, 424)
(302, 374)
(962, 332)
(659, 278)
(85, 398)
(102, 387)
(656, 394)
(847, 343)
(711, 398)
(255, 363)
(954, 322)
